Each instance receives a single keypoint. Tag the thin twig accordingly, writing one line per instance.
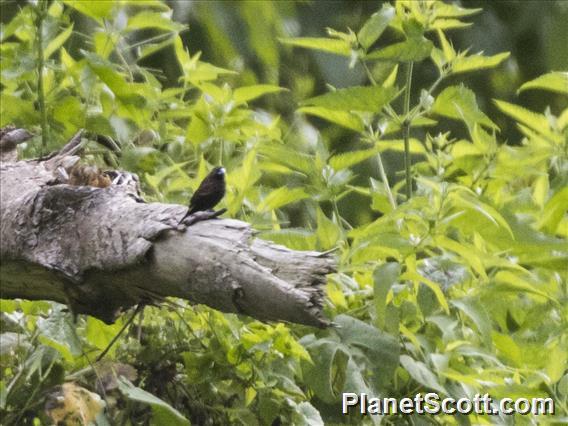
(115, 338)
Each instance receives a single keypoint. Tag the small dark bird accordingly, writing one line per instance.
(210, 192)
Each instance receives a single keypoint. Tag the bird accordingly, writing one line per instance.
(210, 192)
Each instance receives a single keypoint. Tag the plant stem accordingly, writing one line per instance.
(406, 130)
(41, 11)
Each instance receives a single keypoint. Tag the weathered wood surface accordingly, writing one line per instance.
(103, 250)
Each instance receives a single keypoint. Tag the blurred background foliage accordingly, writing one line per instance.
(459, 288)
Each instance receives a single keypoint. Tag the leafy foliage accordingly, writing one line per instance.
(458, 288)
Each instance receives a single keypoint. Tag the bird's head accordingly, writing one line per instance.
(218, 172)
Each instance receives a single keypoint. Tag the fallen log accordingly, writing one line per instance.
(74, 235)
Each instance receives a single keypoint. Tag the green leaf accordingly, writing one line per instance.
(356, 98)
(58, 331)
(537, 122)
(447, 48)
(477, 313)
(339, 47)
(553, 81)
(281, 197)
(452, 10)
(342, 118)
(384, 276)
(163, 413)
(477, 62)
(69, 112)
(57, 42)
(148, 19)
(458, 103)
(100, 334)
(375, 26)
(248, 93)
(379, 346)
(326, 375)
(412, 49)
(554, 211)
(421, 373)
(327, 232)
(467, 200)
(448, 24)
(291, 158)
(306, 415)
(296, 239)
(348, 159)
(98, 10)
(508, 348)
(510, 281)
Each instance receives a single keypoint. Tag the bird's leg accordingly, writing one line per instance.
(202, 215)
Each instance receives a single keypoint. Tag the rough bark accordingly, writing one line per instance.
(103, 249)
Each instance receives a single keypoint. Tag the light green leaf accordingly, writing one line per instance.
(163, 413)
(553, 81)
(327, 232)
(281, 197)
(375, 26)
(151, 48)
(96, 10)
(348, 159)
(477, 313)
(248, 93)
(477, 62)
(397, 145)
(447, 48)
(384, 276)
(464, 199)
(342, 118)
(57, 42)
(448, 24)
(100, 334)
(421, 373)
(412, 49)
(508, 348)
(458, 103)
(289, 157)
(339, 47)
(296, 239)
(511, 281)
(554, 211)
(147, 19)
(537, 122)
(452, 10)
(356, 98)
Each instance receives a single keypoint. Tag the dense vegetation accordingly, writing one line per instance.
(451, 237)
